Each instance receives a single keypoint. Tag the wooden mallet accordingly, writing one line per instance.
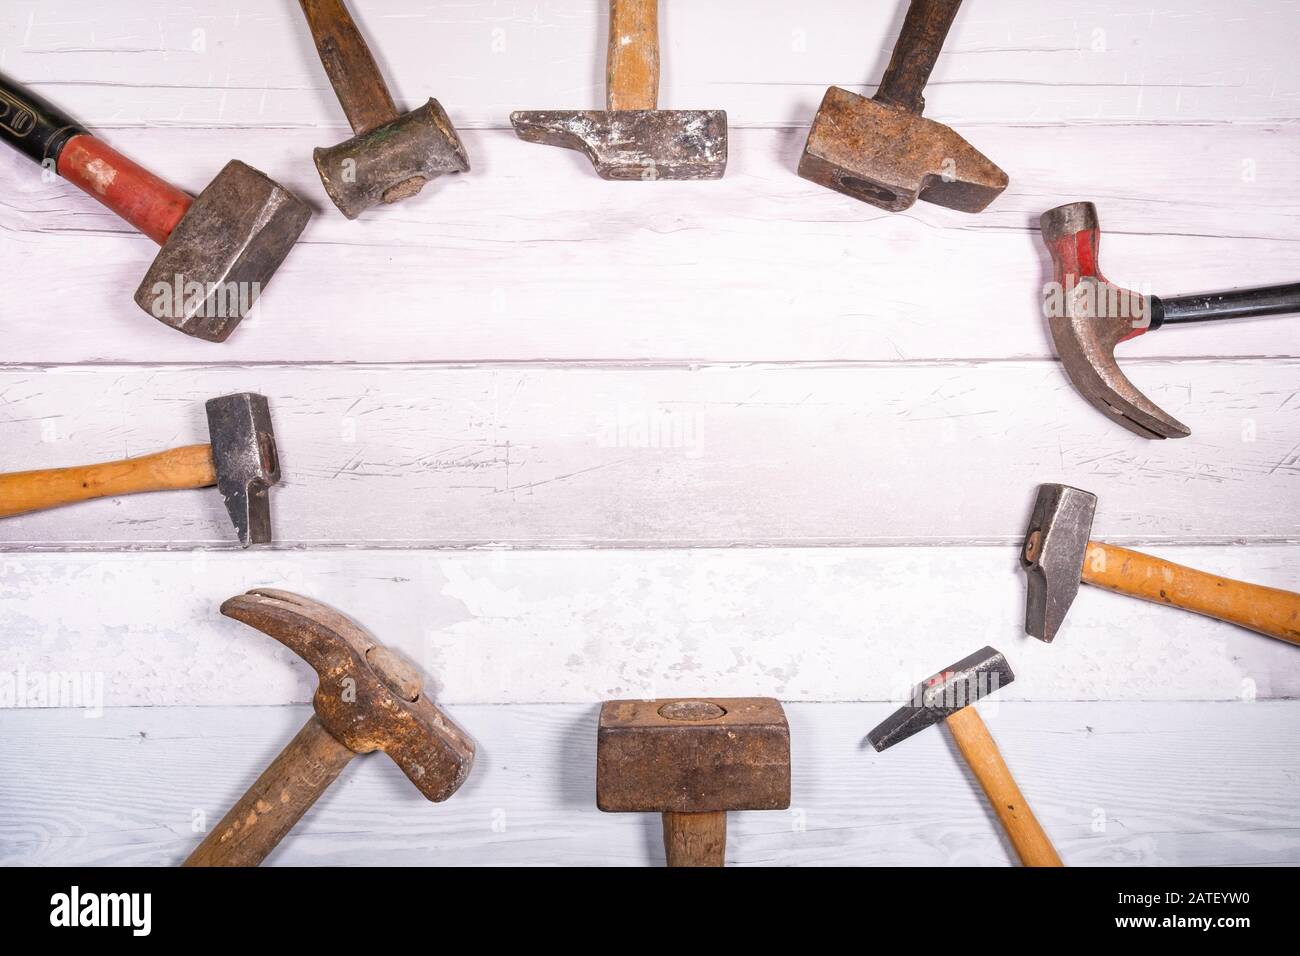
(948, 696)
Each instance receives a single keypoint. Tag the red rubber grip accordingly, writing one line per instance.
(137, 195)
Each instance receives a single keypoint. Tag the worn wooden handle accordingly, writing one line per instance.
(276, 801)
(632, 77)
(188, 467)
(348, 63)
(977, 746)
(1270, 611)
(695, 839)
(924, 30)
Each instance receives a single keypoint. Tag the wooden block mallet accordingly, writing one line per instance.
(1057, 556)
(947, 696)
(693, 760)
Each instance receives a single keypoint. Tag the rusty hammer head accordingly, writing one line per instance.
(943, 694)
(692, 756)
(212, 267)
(243, 451)
(369, 698)
(1056, 543)
(1089, 316)
(391, 162)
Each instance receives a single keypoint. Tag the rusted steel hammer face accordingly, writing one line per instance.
(943, 694)
(218, 250)
(391, 157)
(630, 139)
(240, 460)
(368, 699)
(882, 151)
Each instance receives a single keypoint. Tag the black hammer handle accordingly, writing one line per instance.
(924, 30)
(32, 126)
(1235, 304)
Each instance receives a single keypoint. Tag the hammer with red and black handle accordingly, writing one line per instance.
(218, 249)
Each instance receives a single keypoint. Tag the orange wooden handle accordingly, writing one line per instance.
(696, 839)
(188, 467)
(977, 746)
(632, 65)
(1270, 611)
(152, 205)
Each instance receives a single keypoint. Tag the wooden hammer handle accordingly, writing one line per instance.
(188, 467)
(632, 65)
(977, 746)
(696, 839)
(1270, 611)
(924, 30)
(348, 63)
(276, 801)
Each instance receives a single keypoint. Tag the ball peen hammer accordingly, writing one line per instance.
(881, 150)
(218, 249)
(1057, 556)
(240, 459)
(368, 699)
(693, 760)
(391, 156)
(1089, 316)
(949, 696)
(631, 139)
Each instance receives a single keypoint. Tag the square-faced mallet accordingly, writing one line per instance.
(948, 696)
(218, 250)
(881, 150)
(1057, 555)
(631, 139)
(1089, 316)
(240, 460)
(693, 760)
(369, 698)
(390, 156)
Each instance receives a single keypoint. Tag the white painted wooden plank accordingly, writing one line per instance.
(1126, 784)
(764, 61)
(560, 457)
(545, 627)
(531, 257)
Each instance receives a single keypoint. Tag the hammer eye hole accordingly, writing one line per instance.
(864, 188)
(691, 710)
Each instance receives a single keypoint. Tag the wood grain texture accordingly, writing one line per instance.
(551, 626)
(516, 264)
(632, 61)
(158, 61)
(695, 839)
(1200, 784)
(508, 456)
(1270, 611)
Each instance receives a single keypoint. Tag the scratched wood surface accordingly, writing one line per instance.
(558, 439)
(1201, 784)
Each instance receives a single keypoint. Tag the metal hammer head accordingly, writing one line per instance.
(1053, 553)
(1089, 316)
(391, 162)
(212, 268)
(243, 450)
(635, 144)
(369, 698)
(890, 157)
(692, 756)
(943, 694)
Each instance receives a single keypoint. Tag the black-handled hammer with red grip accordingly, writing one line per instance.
(1089, 316)
(218, 249)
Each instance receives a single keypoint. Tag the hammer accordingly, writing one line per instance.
(240, 460)
(1089, 316)
(630, 139)
(391, 156)
(1057, 555)
(692, 761)
(369, 699)
(881, 150)
(218, 250)
(948, 696)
